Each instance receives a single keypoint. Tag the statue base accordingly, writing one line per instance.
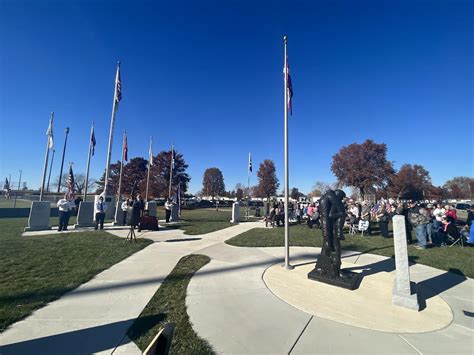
(327, 273)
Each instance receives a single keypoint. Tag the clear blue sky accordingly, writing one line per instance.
(208, 76)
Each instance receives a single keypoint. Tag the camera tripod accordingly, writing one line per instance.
(131, 235)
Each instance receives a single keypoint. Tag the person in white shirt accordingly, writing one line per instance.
(124, 206)
(65, 207)
(168, 207)
(438, 213)
(100, 208)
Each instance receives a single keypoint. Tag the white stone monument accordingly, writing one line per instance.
(151, 207)
(85, 215)
(174, 213)
(235, 213)
(40, 212)
(404, 291)
(119, 214)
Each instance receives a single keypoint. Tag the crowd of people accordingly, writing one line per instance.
(434, 224)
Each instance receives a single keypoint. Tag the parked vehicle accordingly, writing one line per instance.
(461, 211)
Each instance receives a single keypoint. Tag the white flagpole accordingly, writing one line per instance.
(88, 162)
(150, 153)
(287, 232)
(171, 169)
(119, 192)
(45, 169)
(111, 133)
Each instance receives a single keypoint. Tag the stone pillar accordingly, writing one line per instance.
(40, 212)
(85, 215)
(174, 213)
(235, 213)
(404, 291)
(151, 207)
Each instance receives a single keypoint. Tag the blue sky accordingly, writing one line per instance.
(208, 76)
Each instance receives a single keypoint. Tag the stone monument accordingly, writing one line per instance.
(404, 291)
(85, 215)
(328, 266)
(40, 212)
(235, 213)
(151, 207)
(119, 214)
(174, 213)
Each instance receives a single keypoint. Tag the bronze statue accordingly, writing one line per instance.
(328, 267)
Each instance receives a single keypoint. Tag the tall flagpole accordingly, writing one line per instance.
(119, 193)
(48, 147)
(248, 187)
(88, 162)
(148, 173)
(171, 169)
(50, 169)
(111, 133)
(287, 231)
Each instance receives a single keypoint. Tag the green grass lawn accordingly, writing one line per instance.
(456, 259)
(4, 203)
(200, 221)
(38, 270)
(168, 305)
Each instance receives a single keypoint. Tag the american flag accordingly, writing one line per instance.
(250, 162)
(93, 140)
(118, 87)
(70, 194)
(125, 147)
(289, 87)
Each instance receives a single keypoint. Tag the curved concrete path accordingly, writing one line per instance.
(229, 305)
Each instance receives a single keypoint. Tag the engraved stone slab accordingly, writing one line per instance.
(235, 213)
(174, 213)
(151, 207)
(85, 215)
(39, 216)
(119, 214)
(404, 291)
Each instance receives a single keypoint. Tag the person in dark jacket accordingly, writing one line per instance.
(448, 228)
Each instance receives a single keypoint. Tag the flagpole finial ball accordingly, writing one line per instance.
(285, 38)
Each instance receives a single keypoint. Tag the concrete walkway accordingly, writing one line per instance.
(94, 318)
(230, 306)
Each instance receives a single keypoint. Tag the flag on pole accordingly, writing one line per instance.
(289, 87)
(172, 157)
(6, 185)
(150, 154)
(125, 147)
(118, 87)
(49, 133)
(70, 194)
(250, 162)
(93, 139)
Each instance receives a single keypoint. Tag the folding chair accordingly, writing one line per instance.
(455, 241)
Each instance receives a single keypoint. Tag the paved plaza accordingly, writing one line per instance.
(242, 302)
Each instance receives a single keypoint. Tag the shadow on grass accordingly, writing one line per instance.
(84, 341)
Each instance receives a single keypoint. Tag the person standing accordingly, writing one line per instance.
(438, 214)
(168, 207)
(64, 213)
(383, 219)
(100, 208)
(124, 207)
(365, 214)
(418, 217)
(137, 208)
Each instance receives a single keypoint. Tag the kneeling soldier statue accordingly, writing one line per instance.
(328, 266)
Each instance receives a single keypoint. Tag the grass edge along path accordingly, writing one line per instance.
(168, 304)
(37, 270)
(455, 259)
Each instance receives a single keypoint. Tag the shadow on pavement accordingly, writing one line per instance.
(84, 341)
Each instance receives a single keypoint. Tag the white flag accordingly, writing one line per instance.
(49, 132)
(150, 153)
